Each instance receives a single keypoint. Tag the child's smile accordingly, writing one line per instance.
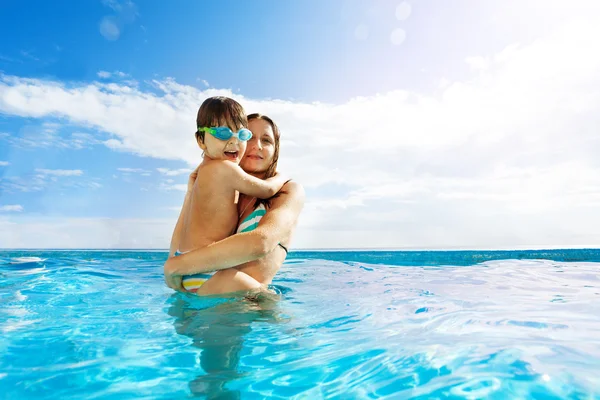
(232, 155)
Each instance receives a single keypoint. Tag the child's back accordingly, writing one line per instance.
(211, 214)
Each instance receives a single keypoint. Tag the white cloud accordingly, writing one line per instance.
(49, 232)
(80, 140)
(7, 59)
(4, 163)
(118, 6)
(173, 172)
(167, 186)
(109, 28)
(64, 232)
(108, 75)
(29, 55)
(505, 158)
(133, 170)
(11, 208)
(478, 62)
(60, 172)
(48, 135)
(16, 184)
(127, 172)
(40, 181)
(43, 178)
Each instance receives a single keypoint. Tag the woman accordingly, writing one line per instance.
(265, 229)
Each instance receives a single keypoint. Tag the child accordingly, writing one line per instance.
(209, 211)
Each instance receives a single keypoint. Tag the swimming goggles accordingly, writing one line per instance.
(224, 133)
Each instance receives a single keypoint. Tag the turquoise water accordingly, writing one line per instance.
(347, 325)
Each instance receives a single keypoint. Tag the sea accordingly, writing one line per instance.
(360, 324)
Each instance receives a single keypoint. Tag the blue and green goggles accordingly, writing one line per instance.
(224, 133)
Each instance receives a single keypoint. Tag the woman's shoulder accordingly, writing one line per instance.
(292, 191)
(293, 186)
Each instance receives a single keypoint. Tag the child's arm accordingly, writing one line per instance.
(248, 184)
(179, 225)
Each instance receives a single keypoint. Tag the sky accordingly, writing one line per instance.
(423, 124)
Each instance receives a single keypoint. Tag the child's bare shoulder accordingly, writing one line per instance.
(218, 167)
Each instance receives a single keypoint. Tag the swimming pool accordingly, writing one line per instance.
(101, 324)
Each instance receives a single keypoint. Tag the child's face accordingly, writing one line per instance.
(232, 149)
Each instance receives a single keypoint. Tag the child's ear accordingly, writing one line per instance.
(201, 143)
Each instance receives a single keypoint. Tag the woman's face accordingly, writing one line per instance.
(260, 149)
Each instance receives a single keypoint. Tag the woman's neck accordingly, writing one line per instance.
(244, 203)
(244, 200)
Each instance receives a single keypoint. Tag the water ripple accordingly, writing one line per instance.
(101, 324)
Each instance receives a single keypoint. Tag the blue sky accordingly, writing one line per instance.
(425, 124)
(217, 42)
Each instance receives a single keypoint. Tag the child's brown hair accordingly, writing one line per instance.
(220, 111)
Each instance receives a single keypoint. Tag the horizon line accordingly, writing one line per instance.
(332, 249)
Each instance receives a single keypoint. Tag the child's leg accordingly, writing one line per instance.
(228, 280)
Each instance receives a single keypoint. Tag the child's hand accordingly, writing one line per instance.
(172, 280)
(279, 180)
(192, 179)
(282, 177)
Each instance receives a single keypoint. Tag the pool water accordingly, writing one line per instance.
(342, 325)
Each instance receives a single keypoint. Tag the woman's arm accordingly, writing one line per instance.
(275, 226)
